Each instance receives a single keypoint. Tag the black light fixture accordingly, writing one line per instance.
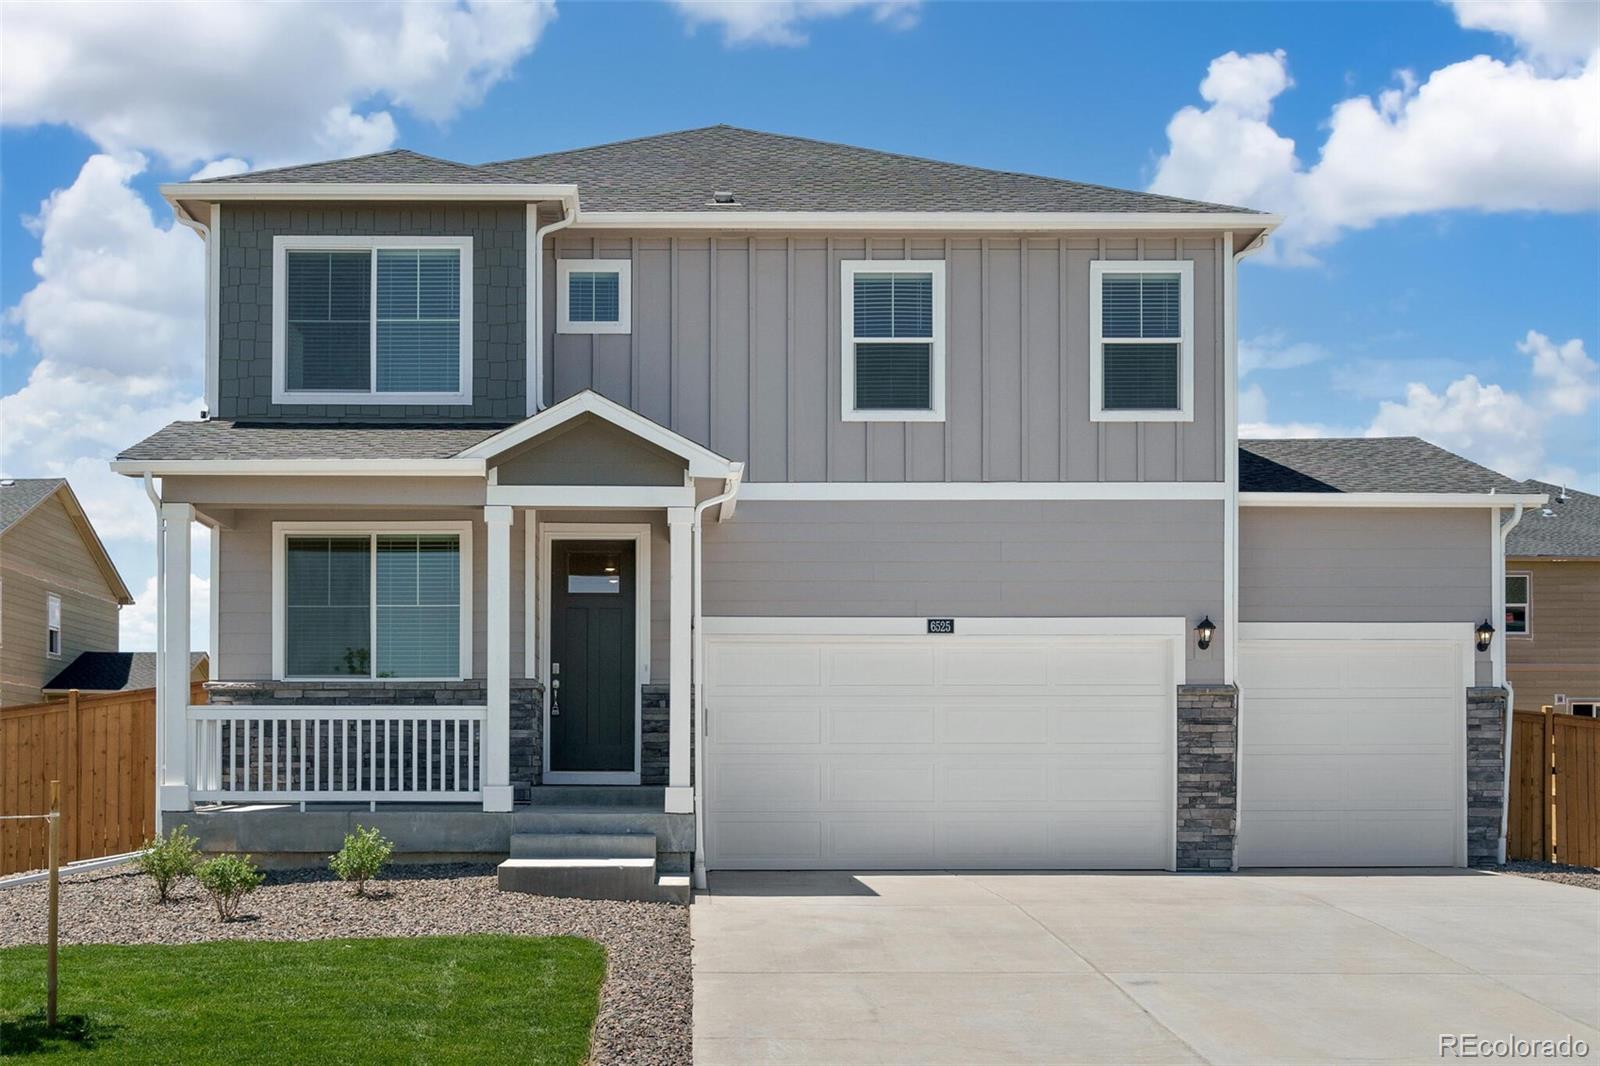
(1485, 634)
(1204, 630)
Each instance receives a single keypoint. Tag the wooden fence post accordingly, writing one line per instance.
(1547, 794)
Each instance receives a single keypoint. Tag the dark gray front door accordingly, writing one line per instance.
(592, 656)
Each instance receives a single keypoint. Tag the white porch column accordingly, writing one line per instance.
(497, 727)
(680, 796)
(172, 677)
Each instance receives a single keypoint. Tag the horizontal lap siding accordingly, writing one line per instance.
(974, 559)
(736, 345)
(1561, 654)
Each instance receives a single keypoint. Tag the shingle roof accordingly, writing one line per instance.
(222, 439)
(1362, 464)
(774, 172)
(112, 671)
(396, 165)
(1568, 527)
(20, 495)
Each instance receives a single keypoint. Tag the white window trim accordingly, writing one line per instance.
(367, 397)
(51, 600)
(623, 268)
(848, 411)
(1526, 605)
(1593, 701)
(545, 534)
(281, 531)
(1098, 269)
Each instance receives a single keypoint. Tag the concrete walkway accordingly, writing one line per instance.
(1369, 966)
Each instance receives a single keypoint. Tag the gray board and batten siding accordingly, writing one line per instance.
(757, 379)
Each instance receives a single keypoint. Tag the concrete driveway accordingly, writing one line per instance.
(1122, 968)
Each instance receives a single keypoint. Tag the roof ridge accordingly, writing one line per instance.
(906, 156)
(397, 151)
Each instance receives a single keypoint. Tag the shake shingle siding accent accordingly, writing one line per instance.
(499, 337)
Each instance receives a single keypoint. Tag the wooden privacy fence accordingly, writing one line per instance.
(103, 750)
(1555, 789)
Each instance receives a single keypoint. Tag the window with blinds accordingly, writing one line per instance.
(593, 295)
(893, 343)
(372, 605)
(1140, 317)
(378, 324)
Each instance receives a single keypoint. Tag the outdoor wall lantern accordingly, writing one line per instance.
(1203, 632)
(1485, 633)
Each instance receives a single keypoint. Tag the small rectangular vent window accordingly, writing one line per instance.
(593, 295)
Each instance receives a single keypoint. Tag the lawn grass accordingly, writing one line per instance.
(432, 1000)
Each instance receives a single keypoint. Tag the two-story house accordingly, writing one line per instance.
(804, 506)
(60, 593)
(1552, 592)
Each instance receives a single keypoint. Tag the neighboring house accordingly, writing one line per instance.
(59, 590)
(1553, 603)
(98, 673)
(829, 508)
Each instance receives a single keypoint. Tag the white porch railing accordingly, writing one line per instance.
(312, 754)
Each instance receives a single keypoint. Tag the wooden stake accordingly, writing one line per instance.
(55, 902)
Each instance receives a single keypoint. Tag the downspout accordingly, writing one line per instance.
(730, 489)
(1504, 681)
(184, 218)
(536, 270)
(161, 593)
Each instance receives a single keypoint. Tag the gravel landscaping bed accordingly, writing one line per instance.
(645, 1005)
(1582, 876)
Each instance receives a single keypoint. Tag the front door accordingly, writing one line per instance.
(592, 690)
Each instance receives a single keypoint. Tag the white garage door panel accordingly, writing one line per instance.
(939, 752)
(1352, 752)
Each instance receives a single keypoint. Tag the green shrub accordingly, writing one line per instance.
(364, 854)
(168, 860)
(229, 879)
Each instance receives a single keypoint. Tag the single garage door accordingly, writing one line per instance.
(1353, 751)
(836, 747)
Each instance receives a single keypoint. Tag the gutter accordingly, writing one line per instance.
(536, 299)
(730, 490)
(1504, 682)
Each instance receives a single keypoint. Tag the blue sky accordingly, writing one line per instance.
(1412, 268)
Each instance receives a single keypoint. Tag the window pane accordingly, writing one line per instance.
(1141, 305)
(419, 320)
(594, 296)
(1516, 619)
(1140, 377)
(894, 305)
(327, 606)
(594, 572)
(419, 606)
(327, 320)
(1516, 588)
(893, 377)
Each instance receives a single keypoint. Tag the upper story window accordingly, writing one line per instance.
(372, 320)
(52, 632)
(1519, 616)
(594, 295)
(893, 341)
(1141, 345)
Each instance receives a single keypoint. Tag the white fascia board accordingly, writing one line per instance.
(216, 192)
(1109, 628)
(311, 467)
(1389, 499)
(1052, 221)
(702, 461)
(984, 490)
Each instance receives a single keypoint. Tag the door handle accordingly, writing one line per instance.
(555, 689)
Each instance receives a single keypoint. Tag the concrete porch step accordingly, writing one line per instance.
(651, 797)
(673, 832)
(592, 878)
(583, 846)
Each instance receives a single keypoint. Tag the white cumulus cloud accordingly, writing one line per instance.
(782, 22)
(270, 82)
(1481, 134)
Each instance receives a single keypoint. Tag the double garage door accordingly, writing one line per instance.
(877, 745)
(904, 750)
